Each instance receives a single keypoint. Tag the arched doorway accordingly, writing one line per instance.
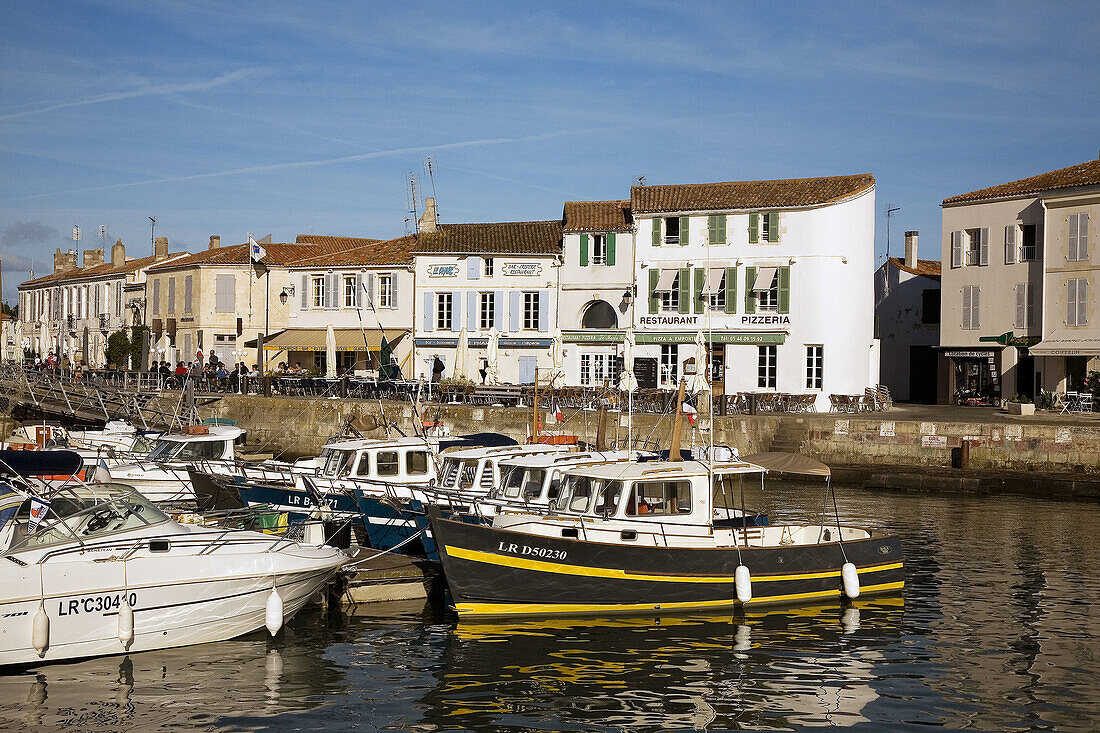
(599, 314)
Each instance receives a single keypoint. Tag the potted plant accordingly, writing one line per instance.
(1020, 405)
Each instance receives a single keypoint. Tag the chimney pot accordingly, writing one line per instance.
(64, 261)
(215, 241)
(429, 221)
(118, 253)
(93, 258)
(911, 249)
(160, 248)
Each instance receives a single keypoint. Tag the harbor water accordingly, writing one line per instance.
(995, 630)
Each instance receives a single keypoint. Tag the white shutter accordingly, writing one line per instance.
(1082, 301)
(1021, 306)
(1083, 236)
(1071, 239)
(975, 314)
(956, 249)
(1030, 322)
(966, 308)
(498, 309)
(1010, 244)
(544, 311)
(393, 290)
(305, 292)
(513, 310)
(456, 311)
(473, 268)
(1071, 302)
(983, 247)
(471, 310)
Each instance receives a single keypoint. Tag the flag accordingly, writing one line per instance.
(691, 413)
(10, 501)
(555, 410)
(256, 252)
(39, 510)
(198, 356)
(311, 489)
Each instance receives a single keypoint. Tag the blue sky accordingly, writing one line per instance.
(287, 118)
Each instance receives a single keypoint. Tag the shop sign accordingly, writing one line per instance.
(596, 337)
(933, 441)
(770, 320)
(840, 427)
(668, 320)
(886, 429)
(928, 428)
(436, 342)
(968, 354)
(442, 270)
(521, 269)
(1014, 432)
(545, 343)
(1063, 435)
(686, 337)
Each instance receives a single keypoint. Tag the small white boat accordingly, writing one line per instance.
(162, 477)
(107, 572)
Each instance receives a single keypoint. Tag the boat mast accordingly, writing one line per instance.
(677, 424)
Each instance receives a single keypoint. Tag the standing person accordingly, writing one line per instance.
(437, 370)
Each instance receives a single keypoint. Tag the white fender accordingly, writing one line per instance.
(40, 630)
(126, 624)
(742, 580)
(273, 617)
(850, 577)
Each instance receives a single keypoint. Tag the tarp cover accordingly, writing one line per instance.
(40, 462)
(788, 463)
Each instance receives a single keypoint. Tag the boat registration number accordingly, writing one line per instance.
(545, 552)
(93, 604)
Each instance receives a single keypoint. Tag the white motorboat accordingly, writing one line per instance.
(163, 477)
(107, 572)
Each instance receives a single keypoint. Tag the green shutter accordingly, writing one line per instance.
(657, 231)
(683, 230)
(700, 276)
(685, 290)
(584, 250)
(731, 290)
(784, 289)
(773, 226)
(654, 301)
(610, 248)
(721, 229)
(754, 228)
(712, 229)
(750, 294)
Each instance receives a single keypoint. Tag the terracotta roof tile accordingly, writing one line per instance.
(1082, 174)
(733, 195)
(364, 252)
(346, 242)
(237, 254)
(597, 216)
(928, 268)
(89, 273)
(512, 237)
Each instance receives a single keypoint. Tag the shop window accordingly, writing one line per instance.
(670, 365)
(815, 358)
(766, 366)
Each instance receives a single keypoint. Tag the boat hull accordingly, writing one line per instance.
(496, 572)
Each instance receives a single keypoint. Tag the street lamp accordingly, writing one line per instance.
(287, 291)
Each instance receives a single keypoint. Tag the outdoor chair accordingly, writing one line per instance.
(1084, 402)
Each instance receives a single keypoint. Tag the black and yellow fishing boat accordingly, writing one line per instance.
(658, 536)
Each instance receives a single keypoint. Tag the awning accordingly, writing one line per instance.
(314, 339)
(664, 283)
(1067, 343)
(791, 463)
(713, 283)
(765, 276)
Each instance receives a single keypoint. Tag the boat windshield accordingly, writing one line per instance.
(523, 482)
(92, 513)
(178, 450)
(337, 462)
(578, 492)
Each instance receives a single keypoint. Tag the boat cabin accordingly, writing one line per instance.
(536, 479)
(403, 460)
(203, 443)
(478, 469)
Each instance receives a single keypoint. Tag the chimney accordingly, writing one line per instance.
(215, 241)
(160, 248)
(911, 249)
(92, 257)
(64, 261)
(118, 254)
(429, 221)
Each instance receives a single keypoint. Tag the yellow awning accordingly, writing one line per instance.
(347, 339)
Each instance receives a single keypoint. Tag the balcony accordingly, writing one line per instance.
(70, 323)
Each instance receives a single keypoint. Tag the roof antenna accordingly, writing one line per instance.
(640, 180)
(412, 198)
(429, 168)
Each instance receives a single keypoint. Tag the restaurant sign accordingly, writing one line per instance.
(443, 270)
(724, 337)
(521, 269)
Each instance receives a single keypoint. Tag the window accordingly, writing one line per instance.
(385, 291)
(317, 285)
(660, 497)
(531, 311)
(443, 311)
(974, 251)
(716, 284)
(814, 366)
(599, 314)
(349, 291)
(765, 369)
(768, 300)
(599, 249)
(930, 306)
(670, 365)
(487, 314)
(1078, 237)
(670, 299)
(672, 230)
(387, 463)
(1028, 250)
(1025, 306)
(1076, 300)
(970, 302)
(416, 463)
(598, 370)
(765, 228)
(488, 266)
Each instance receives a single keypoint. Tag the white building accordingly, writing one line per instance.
(778, 275)
(481, 277)
(596, 289)
(907, 311)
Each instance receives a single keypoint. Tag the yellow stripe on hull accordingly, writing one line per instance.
(491, 558)
(544, 609)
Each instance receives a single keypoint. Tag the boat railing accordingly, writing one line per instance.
(208, 545)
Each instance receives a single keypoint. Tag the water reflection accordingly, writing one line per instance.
(812, 666)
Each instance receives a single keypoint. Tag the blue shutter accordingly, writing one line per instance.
(473, 268)
(429, 301)
(393, 290)
(498, 309)
(513, 310)
(456, 311)
(471, 311)
(544, 311)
